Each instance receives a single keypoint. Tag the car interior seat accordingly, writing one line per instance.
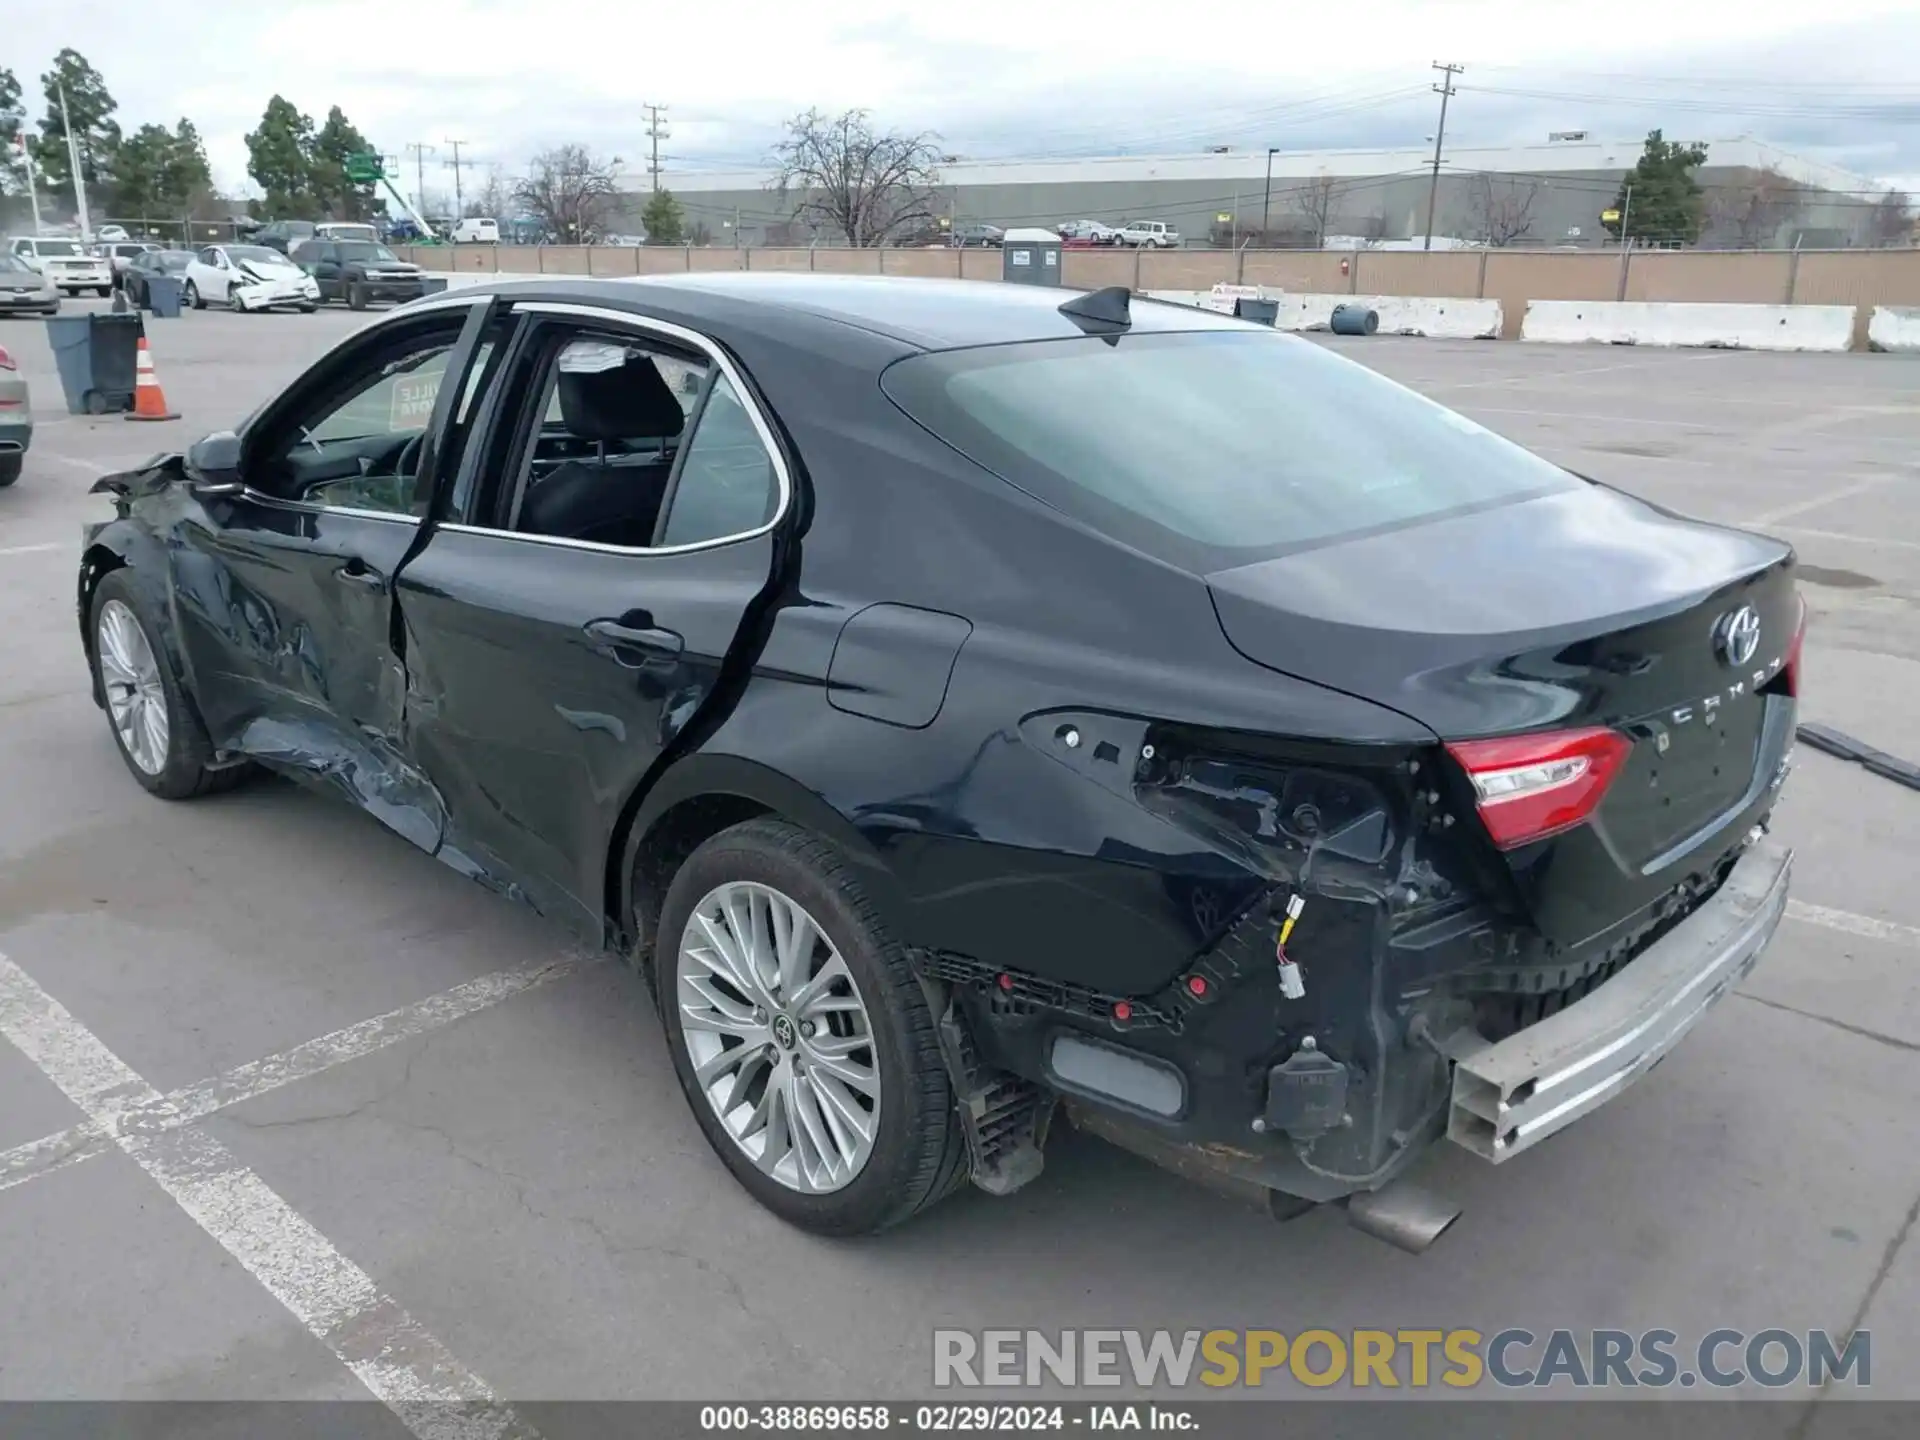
(614, 497)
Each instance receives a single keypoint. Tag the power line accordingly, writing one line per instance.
(657, 130)
(1445, 91)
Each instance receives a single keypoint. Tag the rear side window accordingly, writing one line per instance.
(1213, 448)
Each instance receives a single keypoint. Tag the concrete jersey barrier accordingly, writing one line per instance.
(1726, 327)
(1895, 328)
(1433, 317)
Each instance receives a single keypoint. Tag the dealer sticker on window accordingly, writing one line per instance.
(412, 403)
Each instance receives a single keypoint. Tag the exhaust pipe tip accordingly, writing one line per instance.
(1405, 1216)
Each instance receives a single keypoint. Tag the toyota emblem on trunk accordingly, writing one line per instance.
(1737, 636)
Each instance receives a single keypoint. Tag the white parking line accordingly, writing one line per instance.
(1814, 502)
(1849, 923)
(205, 1097)
(413, 1374)
(30, 549)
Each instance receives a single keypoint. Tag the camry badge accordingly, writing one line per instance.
(1737, 636)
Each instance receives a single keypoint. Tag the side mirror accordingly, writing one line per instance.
(213, 465)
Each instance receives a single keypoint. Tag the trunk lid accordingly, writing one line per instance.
(1585, 608)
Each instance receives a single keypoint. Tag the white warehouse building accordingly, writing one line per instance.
(1551, 193)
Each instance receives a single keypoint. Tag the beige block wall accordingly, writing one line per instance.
(1447, 273)
(1680, 276)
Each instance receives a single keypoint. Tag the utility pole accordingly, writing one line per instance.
(459, 202)
(419, 149)
(1445, 91)
(1266, 205)
(657, 130)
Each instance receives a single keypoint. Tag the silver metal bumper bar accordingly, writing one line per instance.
(1512, 1095)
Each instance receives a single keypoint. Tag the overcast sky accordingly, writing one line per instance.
(1002, 77)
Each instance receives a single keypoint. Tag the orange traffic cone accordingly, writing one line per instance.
(149, 400)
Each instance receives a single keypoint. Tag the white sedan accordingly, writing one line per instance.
(248, 277)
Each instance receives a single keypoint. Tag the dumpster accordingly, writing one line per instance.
(163, 296)
(97, 356)
(1260, 312)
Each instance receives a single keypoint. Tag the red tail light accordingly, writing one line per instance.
(6, 360)
(1528, 787)
(1791, 669)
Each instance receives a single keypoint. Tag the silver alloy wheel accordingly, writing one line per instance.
(780, 1040)
(136, 698)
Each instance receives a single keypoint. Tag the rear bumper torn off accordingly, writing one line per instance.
(1512, 1094)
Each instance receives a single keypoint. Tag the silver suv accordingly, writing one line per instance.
(1156, 233)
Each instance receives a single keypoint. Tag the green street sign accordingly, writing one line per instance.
(364, 169)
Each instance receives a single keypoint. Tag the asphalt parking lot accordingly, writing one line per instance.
(392, 1077)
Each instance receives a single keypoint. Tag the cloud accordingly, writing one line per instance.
(996, 77)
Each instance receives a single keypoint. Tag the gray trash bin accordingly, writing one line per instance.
(1354, 320)
(163, 296)
(97, 357)
(433, 285)
(1261, 312)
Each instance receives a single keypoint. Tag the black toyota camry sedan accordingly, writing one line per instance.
(968, 705)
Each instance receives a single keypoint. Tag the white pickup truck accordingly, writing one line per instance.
(65, 262)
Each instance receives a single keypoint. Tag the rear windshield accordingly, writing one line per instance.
(57, 247)
(1213, 448)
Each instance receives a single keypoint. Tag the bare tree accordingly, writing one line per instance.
(839, 174)
(1314, 201)
(570, 190)
(493, 198)
(1747, 214)
(1503, 213)
(1891, 221)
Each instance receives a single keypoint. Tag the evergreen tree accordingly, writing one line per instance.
(1660, 201)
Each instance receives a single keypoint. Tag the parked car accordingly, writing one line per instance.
(65, 262)
(24, 290)
(345, 230)
(1252, 802)
(148, 263)
(976, 235)
(359, 272)
(281, 235)
(1092, 231)
(111, 232)
(1154, 234)
(248, 277)
(16, 414)
(120, 253)
(476, 230)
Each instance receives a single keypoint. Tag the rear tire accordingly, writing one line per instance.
(103, 291)
(10, 466)
(158, 734)
(918, 1149)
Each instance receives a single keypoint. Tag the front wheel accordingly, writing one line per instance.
(157, 733)
(800, 1035)
(192, 296)
(308, 309)
(103, 291)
